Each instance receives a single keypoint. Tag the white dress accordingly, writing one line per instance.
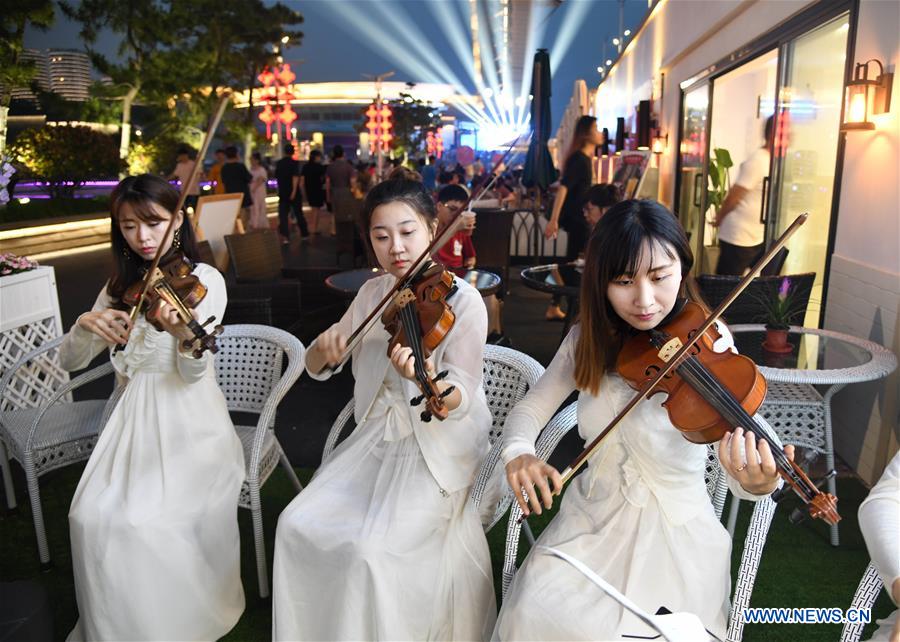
(153, 524)
(639, 516)
(258, 216)
(879, 521)
(383, 544)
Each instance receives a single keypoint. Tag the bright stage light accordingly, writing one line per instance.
(496, 136)
(488, 92)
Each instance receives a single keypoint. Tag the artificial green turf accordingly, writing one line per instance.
(798, 569)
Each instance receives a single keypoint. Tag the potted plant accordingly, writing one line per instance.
(781, 309)
(719, 178)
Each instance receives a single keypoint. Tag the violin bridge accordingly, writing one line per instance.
(669, 349)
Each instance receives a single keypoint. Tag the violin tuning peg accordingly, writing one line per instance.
(425, 416)
(415, 401)
(208, 321)
(441, 375)
(448, 391)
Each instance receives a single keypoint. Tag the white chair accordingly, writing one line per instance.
(716, 486)
(249, 367)
(42, 428)
(508, 375)
(870, 586)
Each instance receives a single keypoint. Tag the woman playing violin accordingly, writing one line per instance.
(153, 524)
(383, 543)
(639, 514)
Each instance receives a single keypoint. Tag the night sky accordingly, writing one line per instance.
(334, 49)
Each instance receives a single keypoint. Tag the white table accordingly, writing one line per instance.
(798, 412)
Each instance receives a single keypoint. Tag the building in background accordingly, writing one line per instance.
(66, 72)
(331, 113)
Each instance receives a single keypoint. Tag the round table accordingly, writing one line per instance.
(796, 410)
(563, 279)
(348, 283)
(487, 283)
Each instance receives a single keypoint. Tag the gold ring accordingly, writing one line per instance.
(742, 468)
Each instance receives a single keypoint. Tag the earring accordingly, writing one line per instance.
(176, 241)
(125, 252)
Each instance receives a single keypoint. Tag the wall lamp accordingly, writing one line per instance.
(660, 142)
(865, 97)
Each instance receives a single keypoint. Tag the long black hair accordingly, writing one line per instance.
(141, 193)
(614, 249)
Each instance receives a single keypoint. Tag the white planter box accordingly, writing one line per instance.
(28, 297)
(29, 317)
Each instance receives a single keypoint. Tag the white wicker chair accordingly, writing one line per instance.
(716, 486)
(42, 428)
(508, 375)
(870, 586)
(249, 372)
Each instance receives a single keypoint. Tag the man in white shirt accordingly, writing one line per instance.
(741, 232)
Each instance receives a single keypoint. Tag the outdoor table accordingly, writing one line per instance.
(563, 279)
(799, 413)
(348, 283)
(487, 283)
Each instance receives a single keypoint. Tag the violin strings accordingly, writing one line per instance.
(407, 316)
(705, 379)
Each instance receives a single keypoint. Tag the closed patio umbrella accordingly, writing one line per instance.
(539, 171)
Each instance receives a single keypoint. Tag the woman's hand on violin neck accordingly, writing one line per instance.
(528, 474)
(113, 326)
(168, 317)
(405, 363)
(754, 468)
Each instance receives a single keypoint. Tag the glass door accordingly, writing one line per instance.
(692, 163)
(806, 145)
(743, 99)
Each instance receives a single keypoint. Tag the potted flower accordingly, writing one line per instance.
(781, 309)
(12, 264)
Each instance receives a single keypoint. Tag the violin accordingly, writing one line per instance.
(711, 393)
(415, 311)
(419, 317)
(675, 351)
(172, 281)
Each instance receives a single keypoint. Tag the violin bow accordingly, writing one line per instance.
(224, 99)
(670, 365)
(439, 241)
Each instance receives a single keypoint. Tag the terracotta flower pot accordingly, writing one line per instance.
(776, 341)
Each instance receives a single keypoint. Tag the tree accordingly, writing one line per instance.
(15, 72)
(411, 118)
(65, 156)
(227, 43)
(146, 29)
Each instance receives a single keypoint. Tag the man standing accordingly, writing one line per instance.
(184, 166)
(337, 185)
(287, 174)
(741, 231)
(236, 178)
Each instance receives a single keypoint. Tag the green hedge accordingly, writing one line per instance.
(38, 209)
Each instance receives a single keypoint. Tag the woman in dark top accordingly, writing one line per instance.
(312, 182)
(577, 177)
